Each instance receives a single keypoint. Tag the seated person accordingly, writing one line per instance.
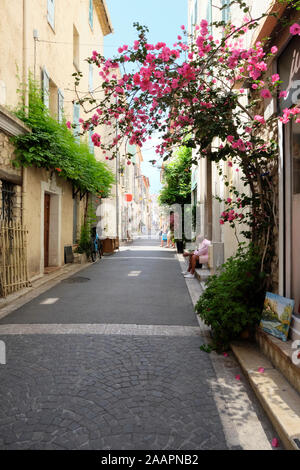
(199, 255)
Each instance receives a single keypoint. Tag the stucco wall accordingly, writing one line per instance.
(36, 183)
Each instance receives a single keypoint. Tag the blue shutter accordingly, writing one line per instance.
(196, 12)
(209, 14)
(76, 116)
(91, 13)
(60, 103)
(45, 88)
(90, 77)
(51, 12)
(225, 11)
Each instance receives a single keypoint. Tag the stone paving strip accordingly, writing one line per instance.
(96, 329)
(244, 422)
(119, 258)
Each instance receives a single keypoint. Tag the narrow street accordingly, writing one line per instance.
(110, 359)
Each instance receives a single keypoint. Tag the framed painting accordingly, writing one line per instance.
(276, 315)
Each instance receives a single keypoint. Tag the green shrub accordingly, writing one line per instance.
(84, 242)
(233, 299)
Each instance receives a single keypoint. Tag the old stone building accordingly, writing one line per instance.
(49, 40)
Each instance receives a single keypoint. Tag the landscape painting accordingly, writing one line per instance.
(276, 315)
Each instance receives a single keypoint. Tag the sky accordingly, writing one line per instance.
(163, 18)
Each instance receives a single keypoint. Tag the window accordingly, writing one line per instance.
(51, 13)
(225, 11)
(75, 48)
(76, 116)
(8, 197)
(46, 91)
(91, 13)
(60, 105)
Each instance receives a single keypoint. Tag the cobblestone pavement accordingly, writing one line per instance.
(102, 392)
(119, 368)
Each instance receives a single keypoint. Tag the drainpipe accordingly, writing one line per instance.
(25, 51)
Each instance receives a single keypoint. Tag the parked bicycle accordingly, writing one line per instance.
(96, 250)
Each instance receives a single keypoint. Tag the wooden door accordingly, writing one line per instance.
(46, 229)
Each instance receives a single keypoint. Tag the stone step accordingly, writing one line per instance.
(281, 353)
(202, 275)
(279, 399)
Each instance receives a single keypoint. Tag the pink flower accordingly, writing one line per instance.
(229, 200)
(282, 94)
(225, 354)
(274, 49)
(230, 138)
(230, 164)
(238, 377)
(295, 29)
(275, 442)
(265, 94)
(261, 370)
(254, 86)
(182, 27)
(69, 125)
(259, 118)
(275, 77)
(221, 222)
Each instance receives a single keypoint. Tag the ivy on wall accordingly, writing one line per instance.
(51, 145)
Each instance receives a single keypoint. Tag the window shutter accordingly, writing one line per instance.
(90, 78)
(91, 145)
(60, 102)
(51, 12)
(76, 116)
(196, 12)
(91, 13)
(45, 88)
(209, 14)
(225, 11)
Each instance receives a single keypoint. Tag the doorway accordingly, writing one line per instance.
(46, 229)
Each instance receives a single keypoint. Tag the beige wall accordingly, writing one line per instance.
(19, 55)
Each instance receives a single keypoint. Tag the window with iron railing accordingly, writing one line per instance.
(7, 200)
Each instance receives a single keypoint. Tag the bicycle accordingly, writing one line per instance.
(96, 249)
